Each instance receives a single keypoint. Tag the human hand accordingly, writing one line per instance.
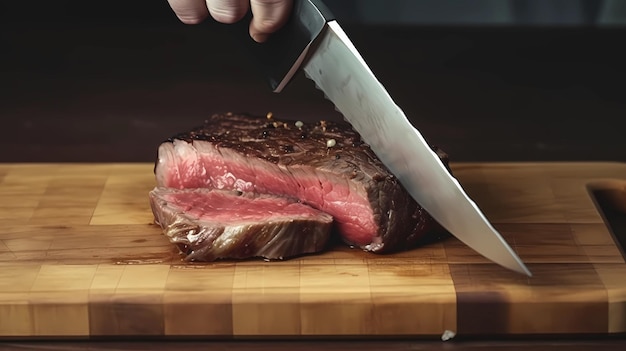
(267, 15)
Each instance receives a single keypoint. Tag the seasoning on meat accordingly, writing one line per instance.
(264, 155)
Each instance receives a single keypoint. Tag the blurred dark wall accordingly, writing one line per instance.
(509, 80)
(405, 12)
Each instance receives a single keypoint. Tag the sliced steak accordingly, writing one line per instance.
(209, 224)
(324, 164)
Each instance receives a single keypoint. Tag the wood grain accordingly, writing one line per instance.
(80, 257)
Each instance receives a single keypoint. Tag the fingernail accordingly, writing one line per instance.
(259, 37)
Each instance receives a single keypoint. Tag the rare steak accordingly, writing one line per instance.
(209, 224)
(323, 164)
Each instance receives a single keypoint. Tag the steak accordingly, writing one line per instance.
(323, 164)
(209, 224)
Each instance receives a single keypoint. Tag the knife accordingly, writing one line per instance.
(313, 41)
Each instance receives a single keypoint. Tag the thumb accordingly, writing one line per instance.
(268, 16)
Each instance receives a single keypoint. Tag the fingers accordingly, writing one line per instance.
(196, 11)
(228, 11)
(190, 11)
(268, 16)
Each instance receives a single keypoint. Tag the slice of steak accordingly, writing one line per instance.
(210, 224)
(323, 164)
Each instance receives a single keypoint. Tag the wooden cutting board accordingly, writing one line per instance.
(80, 257)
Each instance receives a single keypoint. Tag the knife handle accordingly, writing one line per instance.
(280, 56)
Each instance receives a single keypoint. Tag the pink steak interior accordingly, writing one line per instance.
(202, 165)
(227, 208)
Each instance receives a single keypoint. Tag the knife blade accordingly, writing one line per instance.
(314, 42)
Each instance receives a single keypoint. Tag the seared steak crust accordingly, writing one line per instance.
(387, 219)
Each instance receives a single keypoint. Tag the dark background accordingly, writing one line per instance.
(486, 80)
(489, 80)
